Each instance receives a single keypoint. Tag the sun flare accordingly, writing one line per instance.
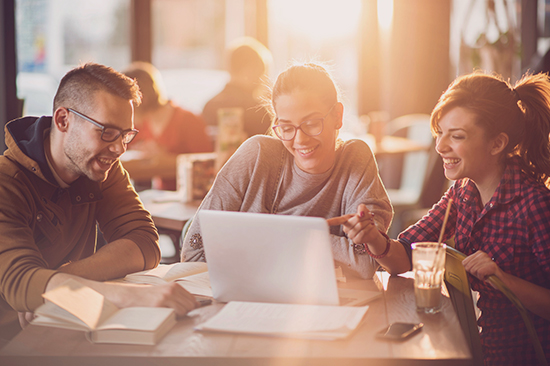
(385, 13)
(318, 20)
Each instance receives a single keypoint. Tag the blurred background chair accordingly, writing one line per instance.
(409, 207)
(420, 173)
(394, 169)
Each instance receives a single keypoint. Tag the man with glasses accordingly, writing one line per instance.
(60, 180)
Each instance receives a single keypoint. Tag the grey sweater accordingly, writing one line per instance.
(262, 177)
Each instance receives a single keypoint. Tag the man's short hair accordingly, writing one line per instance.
(78, 85)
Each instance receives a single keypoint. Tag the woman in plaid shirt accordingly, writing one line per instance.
(494, 141)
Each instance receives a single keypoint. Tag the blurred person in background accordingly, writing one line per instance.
(164, 127)
(248, 64)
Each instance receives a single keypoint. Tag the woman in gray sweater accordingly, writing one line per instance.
(305, 170)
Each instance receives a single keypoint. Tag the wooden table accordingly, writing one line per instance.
(441, 342)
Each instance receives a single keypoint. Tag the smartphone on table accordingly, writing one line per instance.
(399, 331)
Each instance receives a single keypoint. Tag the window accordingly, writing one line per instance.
(327, 31)
(55, 36)
(188, 49)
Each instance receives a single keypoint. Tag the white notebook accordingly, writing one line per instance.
(272, 258)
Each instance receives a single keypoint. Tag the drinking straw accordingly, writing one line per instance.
(444, 223)
(442, 232)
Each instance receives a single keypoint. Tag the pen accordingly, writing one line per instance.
(335, 221)
(203, 301)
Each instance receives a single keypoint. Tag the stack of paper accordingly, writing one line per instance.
(286, 320)
(193, 276)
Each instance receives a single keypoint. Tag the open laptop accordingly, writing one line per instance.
(273, 258)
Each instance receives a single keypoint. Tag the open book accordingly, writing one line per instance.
(193, 276)
(286, 320)
(78, 307)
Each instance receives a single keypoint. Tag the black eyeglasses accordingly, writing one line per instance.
(311, 127)
(109, 134)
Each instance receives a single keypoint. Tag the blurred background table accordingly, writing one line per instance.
(169, 214)
(392, 145)
(143, 166)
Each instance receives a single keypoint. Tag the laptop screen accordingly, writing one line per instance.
(268, 258)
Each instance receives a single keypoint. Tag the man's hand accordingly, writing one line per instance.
(123, 295)
(169, 295)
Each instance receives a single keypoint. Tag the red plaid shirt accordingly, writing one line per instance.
(514, 230)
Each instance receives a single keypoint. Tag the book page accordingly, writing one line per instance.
(51, 315)
(317, 321)
(56, 323)
(138, 318)
(167, 272)
(197, 284)
(83, 302)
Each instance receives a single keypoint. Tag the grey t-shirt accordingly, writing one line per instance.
(262, 177)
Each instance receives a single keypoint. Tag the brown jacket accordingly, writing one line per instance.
(43, 226)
